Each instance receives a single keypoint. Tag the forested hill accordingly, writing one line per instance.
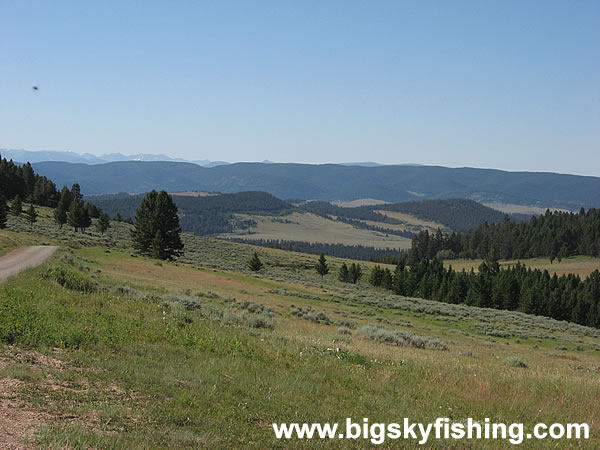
(21, 180)
(552, 235)
(456, 214)
(334, 182)
(200, 214)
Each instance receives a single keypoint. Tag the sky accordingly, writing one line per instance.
(513, 85)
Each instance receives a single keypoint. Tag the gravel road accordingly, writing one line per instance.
(22, 258)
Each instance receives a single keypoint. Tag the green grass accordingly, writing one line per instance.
(125, 353)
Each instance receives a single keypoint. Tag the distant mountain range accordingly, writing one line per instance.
(87, 158)
(36, 156)
(333, 182)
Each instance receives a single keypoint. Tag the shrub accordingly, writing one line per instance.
(17, 318)
(69, 279)
(348, 323)
(396, 337)
(513, 361)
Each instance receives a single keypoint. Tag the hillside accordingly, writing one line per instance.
(201, 214)
(457, 214)
(110, 350)
(334, 182)
(259, 216)
(307, 227)
(452, 214)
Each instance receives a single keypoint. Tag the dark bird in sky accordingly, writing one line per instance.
(35, 88)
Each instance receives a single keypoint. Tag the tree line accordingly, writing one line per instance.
(22, 181)
(203, 215)
(19, 183)
(358, 252)
(457, 214)
(555, 235)
(531, 291)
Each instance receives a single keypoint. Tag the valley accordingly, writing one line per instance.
(202, 352)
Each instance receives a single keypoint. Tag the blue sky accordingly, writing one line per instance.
(502, 84)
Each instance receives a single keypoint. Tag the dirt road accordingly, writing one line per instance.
(22, 258)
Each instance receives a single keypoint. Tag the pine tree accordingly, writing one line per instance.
(158, 249)
(76, 195)
(60, 213)
(3, 210)
(387, 281)
(103, 223)
(17, 206)
(85, 221)
(64, 203)
(93, 211)
(355, 273)
(157, 212)
(29, 178)
(31, 215)
(376, 276)
(66, 197)
(322, 267)
(344, 274)
(255, 263)
(74, 216)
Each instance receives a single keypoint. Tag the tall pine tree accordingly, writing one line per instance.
(157, 213)
(321, 266)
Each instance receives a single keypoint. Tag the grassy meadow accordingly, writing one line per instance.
(105, 349)
(309, 227)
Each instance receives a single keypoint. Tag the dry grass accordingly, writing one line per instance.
(421, 224)
(360, 202)
(312, 228)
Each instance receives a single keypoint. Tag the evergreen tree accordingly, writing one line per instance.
(66, 197)
(85, 221)
(344, 273)
(29, 178)
(376, 276)
(76, 194)
(75, 216)
(158, 249)
(387, 280)
(3, 210)
(60, 213)
(103, 223)
(355, 273)
(93, 211)
(255, 263)
(17, 206)
(31, 215)
(157, 212)
(322, 267)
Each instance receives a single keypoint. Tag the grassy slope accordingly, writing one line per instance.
(135, 368)
(312, 228)
(414, 222)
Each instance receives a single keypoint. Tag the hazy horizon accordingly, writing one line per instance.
(510, 86)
